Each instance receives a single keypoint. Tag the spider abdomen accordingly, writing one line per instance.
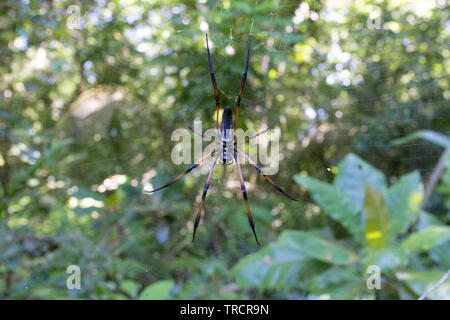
(227, 156)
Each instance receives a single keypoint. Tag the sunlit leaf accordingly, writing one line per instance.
(377, 218)
(426, 239)
(157, 291)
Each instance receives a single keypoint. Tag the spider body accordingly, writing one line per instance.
(227, 137)
(226, 151)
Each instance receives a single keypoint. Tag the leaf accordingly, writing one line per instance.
(157, 291)
(420, 282)
(287, 262)
(338, 283)
(426, 220)
(318, 248)
(429, 135)
(441, 254)
(273, 267)
(377, 218)
(426, 239)
(337, 204)
(353, 175)
(130, 287)
(403, 200)
(387, 259)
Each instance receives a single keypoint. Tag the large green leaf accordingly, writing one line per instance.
(429, 135)
(422, 281)
(276, 266)
(403, 200)
(337, 204)
(338, 283)
(157, 291)
(389, 258)
(130, 287)
(426, 239)
(426, 220)
(353, 175)
(290, 261)
(441, 253)
(318, 248)
(377, 218)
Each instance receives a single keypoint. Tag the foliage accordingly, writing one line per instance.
(305, 261)
(87, 113)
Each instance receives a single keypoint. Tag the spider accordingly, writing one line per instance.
(227, 150)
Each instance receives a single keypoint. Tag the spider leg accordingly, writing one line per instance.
(260, 132)
(205, 191)
(276, 186)
(244, 193)
(244, 77)
(183, 174)
(196, 131)
(213, 80)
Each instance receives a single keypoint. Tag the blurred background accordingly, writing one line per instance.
(90, 93)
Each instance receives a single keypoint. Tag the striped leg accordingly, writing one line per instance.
(244, 193)
(205, 191)
(213, 80)
(276, 186)
(260, 132)
(183, 174)
(197, 132)
(244, 77)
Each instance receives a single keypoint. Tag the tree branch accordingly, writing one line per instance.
(435, 176)
(437, 284)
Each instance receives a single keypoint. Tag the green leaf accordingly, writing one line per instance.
(429, 135)
(377, 218)
(157, 291)
(130, 287)
(420, 282)
(403, 200)
(337, 204)
(426, 239)
(287, 262)
(353, 175)
(318, 248)
(441, 255)
(426, 220)
(279, 265)
(338, 283)
(387, 259)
